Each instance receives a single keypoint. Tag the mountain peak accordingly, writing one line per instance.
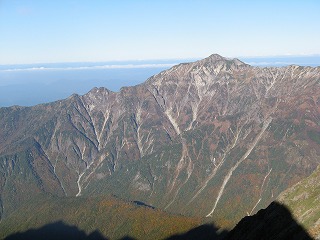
(218, 58)
(215, 57)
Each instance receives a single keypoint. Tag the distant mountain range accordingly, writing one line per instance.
(215, 139)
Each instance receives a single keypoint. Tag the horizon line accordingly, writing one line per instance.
(164, 59)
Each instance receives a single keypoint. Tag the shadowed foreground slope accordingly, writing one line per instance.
(136, 222)
(273, 223)
(54, 231)
(60, 230)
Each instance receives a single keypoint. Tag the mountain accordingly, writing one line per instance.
(214, 138)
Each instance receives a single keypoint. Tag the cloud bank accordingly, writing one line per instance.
(98, 67)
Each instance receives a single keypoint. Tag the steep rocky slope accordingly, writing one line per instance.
(295, 215)
(216, 138)
(303, 200)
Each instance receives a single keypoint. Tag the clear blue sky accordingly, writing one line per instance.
(36, 31)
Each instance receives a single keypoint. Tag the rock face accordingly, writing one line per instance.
(216, 138)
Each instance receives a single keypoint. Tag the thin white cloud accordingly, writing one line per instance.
(114, 66)
(269, 63)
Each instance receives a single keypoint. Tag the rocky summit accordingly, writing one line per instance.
(215, 138)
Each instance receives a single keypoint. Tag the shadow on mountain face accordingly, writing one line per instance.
(273, 223)
(203, 232)
(127, 238)
(54, 231)
(61, 231)
(139, 203)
